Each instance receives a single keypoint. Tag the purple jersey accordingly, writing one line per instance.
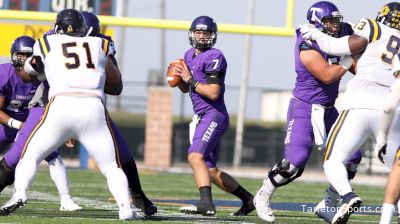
(210, 62)
(308, 88)
(16, 92)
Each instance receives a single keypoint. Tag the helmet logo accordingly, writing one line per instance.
(201, 27)
(384, 11)
(314, 17)
(29, 49)
(70, 29)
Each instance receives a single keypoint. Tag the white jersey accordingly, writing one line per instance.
(73, 64)
(374, 69)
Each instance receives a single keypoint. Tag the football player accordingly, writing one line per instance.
(204, 78)
(76, 68)
(311, 111)
(128, 164)
(15, 100)
(392, 192)
(378, 42)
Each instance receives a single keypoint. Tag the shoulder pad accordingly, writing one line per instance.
(369, 29)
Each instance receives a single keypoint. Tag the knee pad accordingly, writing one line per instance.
(283, 173)
(7, 175)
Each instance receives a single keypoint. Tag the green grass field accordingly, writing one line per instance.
(89, 189)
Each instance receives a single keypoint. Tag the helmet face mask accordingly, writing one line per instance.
(70, 22)
(21, 49)
(325, 16)
(203, 33)
(390, 15)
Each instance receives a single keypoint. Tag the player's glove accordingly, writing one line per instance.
(380, 148)
(309, 32)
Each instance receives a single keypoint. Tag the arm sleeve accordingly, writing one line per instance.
(215, 68)
(333, 46)
(366, 28)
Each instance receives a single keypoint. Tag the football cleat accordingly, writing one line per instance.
(350, 203)
(262, 205)
(68, 205)
(324, 212)
(127, 213)
(143, 203)
(326, 209)
(246, 208)
(12, 205)
(203, 208)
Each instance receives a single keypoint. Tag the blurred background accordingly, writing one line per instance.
(260, 72)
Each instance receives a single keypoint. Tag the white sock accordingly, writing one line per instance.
(24, 174)
(387, 213)
(336, 173)
(268, 186)
(118, 186)
(58, 174)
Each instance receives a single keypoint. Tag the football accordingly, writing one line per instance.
(172, 78)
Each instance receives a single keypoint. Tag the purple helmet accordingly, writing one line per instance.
(389, 15)
(22, 46)
(92, 23)
(325, 16)
(203, 23)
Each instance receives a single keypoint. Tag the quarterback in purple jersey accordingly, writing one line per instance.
(128, 164)
(18, 115)
(205, 82)
(311, 111)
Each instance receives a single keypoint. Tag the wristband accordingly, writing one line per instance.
(193, 83)
(13, 123)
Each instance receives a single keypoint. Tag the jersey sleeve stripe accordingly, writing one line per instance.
(332, 137)
(398, 153)
(375, 33)
(47, 44)
(104, 46)
(43, 46)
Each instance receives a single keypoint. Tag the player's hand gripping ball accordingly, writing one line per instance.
(173, 69)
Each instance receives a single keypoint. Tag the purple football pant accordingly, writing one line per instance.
(299, 138)
(207, 137)
(14, 153)
(7, 134)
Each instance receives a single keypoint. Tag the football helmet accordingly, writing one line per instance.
(92, 23)
(70, 22)
(203, 23)
(21, 49)
(390, 15)
(326, 17)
